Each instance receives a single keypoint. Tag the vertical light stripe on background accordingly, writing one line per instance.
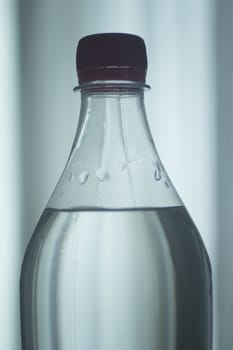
(10, 181)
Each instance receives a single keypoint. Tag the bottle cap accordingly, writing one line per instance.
(111, 56)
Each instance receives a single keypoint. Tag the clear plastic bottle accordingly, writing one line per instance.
(115, 262)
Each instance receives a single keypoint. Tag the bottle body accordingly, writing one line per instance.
(115, 261)
(123, 279)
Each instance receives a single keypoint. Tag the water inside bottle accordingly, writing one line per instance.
(116, 280)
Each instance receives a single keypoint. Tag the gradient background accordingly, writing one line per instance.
(190, 110)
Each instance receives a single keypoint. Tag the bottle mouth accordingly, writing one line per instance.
(112, 86)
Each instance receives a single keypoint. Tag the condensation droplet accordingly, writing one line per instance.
(102, 174)
(158, 166)
(83, 177)
(167, 184)
(61, 194)
(123, 166)
(71, 176)
(157, 175)
(158, 171)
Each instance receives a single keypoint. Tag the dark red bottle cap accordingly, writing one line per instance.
(111, 56)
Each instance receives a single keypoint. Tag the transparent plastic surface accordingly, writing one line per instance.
(115, 262)
(129, 280)
(114, 162)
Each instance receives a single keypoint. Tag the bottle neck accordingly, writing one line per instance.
(113, 163)
(113, 115)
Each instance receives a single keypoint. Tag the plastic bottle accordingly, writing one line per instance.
(115, 262)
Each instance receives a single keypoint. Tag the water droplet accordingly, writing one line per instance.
(158, 166)
(83, 177)
(158, 171)
(157, 175)
(166, 183)
(123, 166)
(71, 176)
(102, 174)
(61, 194)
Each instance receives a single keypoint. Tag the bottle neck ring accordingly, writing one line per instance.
(114, 86)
